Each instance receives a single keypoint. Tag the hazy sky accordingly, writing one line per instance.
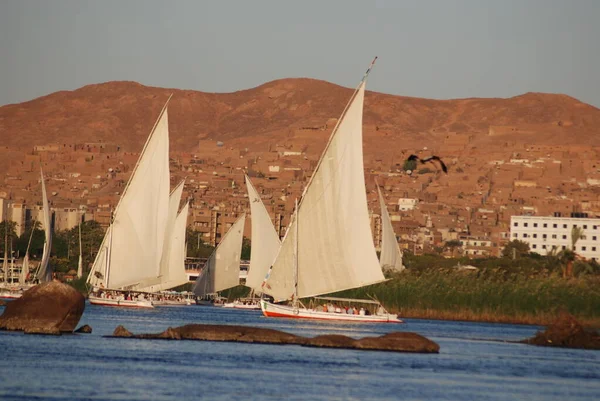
(434, 49)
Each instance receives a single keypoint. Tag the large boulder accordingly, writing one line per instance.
(49, 308)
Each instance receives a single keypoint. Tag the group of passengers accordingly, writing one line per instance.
(349, 310)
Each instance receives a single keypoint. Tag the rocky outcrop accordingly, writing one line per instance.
(49, 308)
(396, 342)
(566, 332)
(84, 329)
(121, 331)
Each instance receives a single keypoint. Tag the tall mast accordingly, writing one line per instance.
(295, 298)
(107, 272)
(80, 261)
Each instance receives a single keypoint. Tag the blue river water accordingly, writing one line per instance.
(477, 361)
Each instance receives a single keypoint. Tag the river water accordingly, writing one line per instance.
(476, 362)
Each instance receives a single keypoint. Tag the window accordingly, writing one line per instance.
(594, 248)
(553, 236)
(534, 235)
(564, 247)
(515, 235)
(544, 236)
(583, 248)
(574, 248)
(525, 235)
(593, 238)
(525, 224)
(564, 237)
(574, 225)
(534, 246)
(545, 225)
(535, 224)
(543, 246)
(554, 225)
(516, 224)
(564, 226)
(595, 227)
(585, 226)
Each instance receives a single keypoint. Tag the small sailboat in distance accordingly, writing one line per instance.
(390, 257)
(45, 270)
(222, 269)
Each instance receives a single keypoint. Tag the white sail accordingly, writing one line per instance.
(390, 256)
(265, 241)
(134, 244)
(222, 269)
(44, 270)
(24, 270)
(175, 275)
(161, 282)
(97, 275)
(174, 200)
(25, 265)
(335, 244)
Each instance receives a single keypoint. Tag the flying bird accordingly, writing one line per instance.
(430, 159)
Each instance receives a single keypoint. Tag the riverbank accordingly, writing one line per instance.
(479, 296)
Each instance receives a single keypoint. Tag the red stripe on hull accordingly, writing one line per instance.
(275, 314)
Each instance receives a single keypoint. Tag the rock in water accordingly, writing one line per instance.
(566, 332)
(49, 308)
(84, 329)
(396, 342)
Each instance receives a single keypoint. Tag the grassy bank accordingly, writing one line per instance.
(476, 296)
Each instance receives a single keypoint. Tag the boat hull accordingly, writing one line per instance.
(10, 295)
(238, 305)
(172, 302)
(120, 302)
(274, 310)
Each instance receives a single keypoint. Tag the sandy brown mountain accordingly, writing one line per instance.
(123, 113)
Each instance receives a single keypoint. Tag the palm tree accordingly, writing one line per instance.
(569, 257)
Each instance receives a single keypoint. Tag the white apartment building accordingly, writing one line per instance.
(543, 233)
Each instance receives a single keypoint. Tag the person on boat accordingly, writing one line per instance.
(349, 311)
(354, 310)
(361, 312)
(380, 310)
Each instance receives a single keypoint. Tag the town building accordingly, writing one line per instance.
(544, 233)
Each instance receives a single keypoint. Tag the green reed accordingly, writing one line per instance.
(485, 293)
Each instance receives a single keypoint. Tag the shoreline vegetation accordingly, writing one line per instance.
(530, 289)
(518, 288)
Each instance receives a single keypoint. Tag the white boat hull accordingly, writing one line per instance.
(239, 305)
(172, 302)
(11, 294)
(274, 310)
(120, 302)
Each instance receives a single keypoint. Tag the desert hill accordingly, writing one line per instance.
(293, 110)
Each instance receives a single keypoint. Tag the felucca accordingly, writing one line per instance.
(222, 269)
(390, 257)
(131, 251)
(329, 246)
(265, 246)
